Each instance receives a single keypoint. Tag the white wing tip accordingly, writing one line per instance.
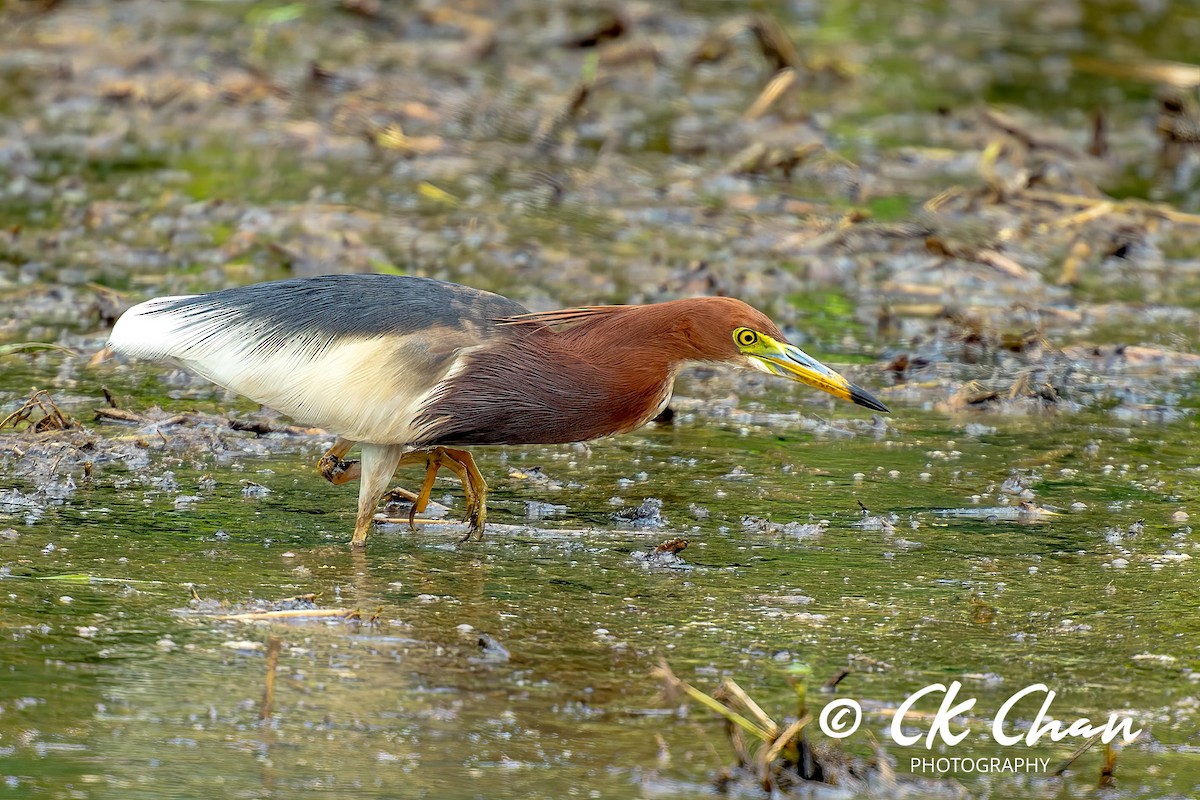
(143, 335)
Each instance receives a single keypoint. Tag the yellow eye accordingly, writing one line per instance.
(745, 337)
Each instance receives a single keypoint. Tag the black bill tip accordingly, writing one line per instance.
(860, 396)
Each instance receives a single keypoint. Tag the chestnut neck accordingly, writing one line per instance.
(606, 375)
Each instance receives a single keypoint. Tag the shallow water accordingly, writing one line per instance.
(162, 154)
(119, 683)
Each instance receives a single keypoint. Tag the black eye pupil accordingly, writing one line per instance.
(748, 337)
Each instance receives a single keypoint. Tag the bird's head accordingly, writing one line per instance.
(697, 329)
(732, 331)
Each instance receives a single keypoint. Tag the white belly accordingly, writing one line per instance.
(345, 389)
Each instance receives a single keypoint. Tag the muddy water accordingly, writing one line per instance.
(118, 681)
(152, 148)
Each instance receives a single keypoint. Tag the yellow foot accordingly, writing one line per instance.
(476, 515)
(334, 469)
(475, 488)
(433, 462)
(337, 471)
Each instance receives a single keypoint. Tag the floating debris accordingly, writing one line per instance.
(800, 530)
(738, 473)
(535, 510)
(646, 515)
(1155, 659)
(665, 555)
(878, 522)
(297, 609)
(534, 475)
(52, 418)
(254, 490)
(33, 506)
(491, 649)
(1022, 512)
(1017, 482)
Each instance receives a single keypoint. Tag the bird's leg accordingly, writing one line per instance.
(433, 463)
(475, 487)
(376, 458)
(333, 468)
(461, 464)
(336, 471)
(379, 462)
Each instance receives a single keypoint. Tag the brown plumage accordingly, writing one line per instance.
(610, 372)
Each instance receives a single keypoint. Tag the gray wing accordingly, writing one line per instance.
(356, 354)
(333, 307)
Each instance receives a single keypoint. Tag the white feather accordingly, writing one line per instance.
(353, 387)
(141, 335)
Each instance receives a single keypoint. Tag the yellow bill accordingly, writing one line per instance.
(789, 361)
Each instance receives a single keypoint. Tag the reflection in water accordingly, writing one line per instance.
(108, 686)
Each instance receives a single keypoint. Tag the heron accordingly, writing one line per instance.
(415, 370)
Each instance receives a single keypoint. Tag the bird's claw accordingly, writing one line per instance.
(474, 520)
(333, 469)
(473, 532)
